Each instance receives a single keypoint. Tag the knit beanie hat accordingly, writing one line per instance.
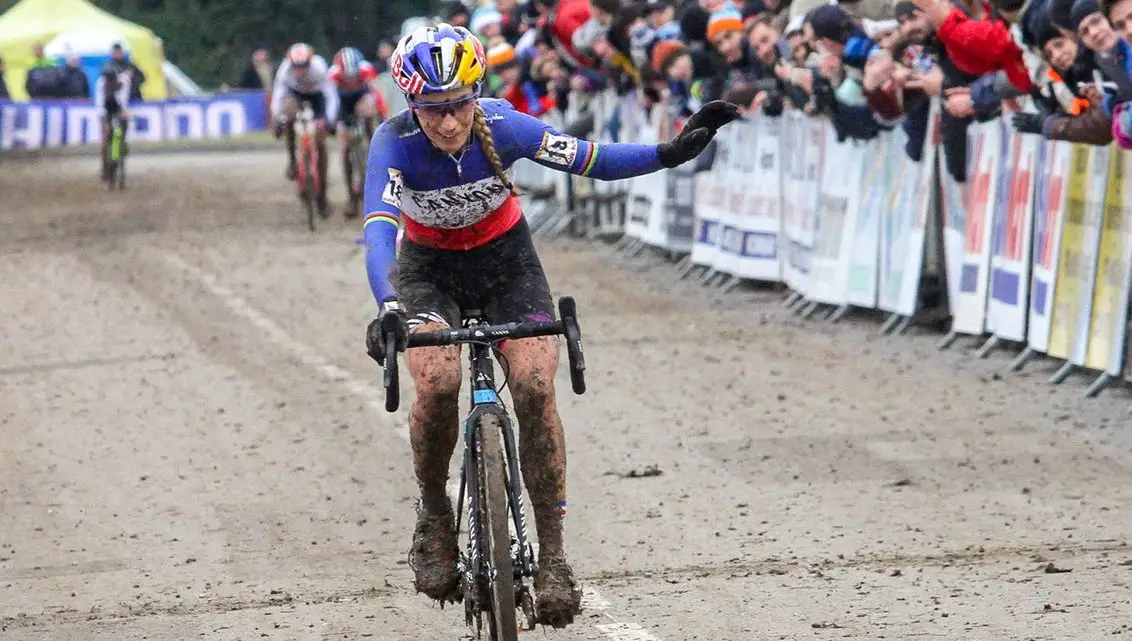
(1059, 11)
(904, 9)
(723, 20)
(1044, 31)
(1082, 9)
(483, 17)
(665, 52)
(832, 22)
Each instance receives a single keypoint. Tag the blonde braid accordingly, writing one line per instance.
(487, 141)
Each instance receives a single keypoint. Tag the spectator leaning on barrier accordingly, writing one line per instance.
(977, 40)
(1062, 115)
(932, 72)
(843, 49)
(1113, 56)
(726, 35)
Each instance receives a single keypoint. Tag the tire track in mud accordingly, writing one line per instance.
(969, 556)
(125, 611)
(1040, 555)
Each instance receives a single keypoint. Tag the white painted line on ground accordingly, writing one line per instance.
(370, 394)
(613, 628)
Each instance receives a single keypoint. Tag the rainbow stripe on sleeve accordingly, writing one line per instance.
(381, 216)
(591, 160)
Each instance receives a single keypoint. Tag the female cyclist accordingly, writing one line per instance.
(441, 169)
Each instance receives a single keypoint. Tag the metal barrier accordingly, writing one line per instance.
(861, 225)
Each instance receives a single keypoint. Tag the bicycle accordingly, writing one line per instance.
(308, 178)
(357, 150)
(499, 558)
(116, 161)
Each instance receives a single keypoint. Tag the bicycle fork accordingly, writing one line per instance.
(486, 400)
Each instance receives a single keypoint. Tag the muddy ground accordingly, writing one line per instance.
(193, 445)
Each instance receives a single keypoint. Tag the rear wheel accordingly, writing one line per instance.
(306, 181)
(358, 174)
(493, 515)
(121, 172)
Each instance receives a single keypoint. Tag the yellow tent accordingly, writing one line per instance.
(32, 22)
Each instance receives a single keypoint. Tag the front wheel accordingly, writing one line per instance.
(492, 510)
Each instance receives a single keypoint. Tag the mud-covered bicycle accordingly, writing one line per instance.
(357, 150)
(498, 560)
(116, 155)
(308, 177)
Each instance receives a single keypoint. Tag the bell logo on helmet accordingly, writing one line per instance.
(408, 84)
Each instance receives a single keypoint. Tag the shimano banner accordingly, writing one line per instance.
(47, 124)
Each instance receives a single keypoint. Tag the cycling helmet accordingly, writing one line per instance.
(349, 60)
(300, 54)
(436, 59)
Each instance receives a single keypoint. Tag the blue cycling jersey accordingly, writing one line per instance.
(441, 197)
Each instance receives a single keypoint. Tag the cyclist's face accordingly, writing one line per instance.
(446, 118)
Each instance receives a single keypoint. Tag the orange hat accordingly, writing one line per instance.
(723, 20)
(501, 55)
(665, 52)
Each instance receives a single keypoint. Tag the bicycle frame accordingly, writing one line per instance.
(475, 571)
(305, 134)
(486, 399)
(116, 130)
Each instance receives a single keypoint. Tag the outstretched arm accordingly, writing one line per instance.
(615, 161)
(383, 210)
(550, 148)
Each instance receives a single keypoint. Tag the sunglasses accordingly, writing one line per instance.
(459, 106)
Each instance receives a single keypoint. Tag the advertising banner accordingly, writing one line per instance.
(986, 153)
(1050, 198)
(52, 124)
(1108, 325)
(1007, 309)
(1080, 239)
(760, 216)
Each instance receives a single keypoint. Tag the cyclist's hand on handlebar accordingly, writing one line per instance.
(391, 320)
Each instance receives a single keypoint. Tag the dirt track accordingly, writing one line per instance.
(189, 448)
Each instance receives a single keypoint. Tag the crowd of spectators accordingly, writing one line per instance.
(866, 65)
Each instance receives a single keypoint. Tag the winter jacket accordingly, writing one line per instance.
(982, 46)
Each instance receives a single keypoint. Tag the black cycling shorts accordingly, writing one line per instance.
(348, 102)
(503, 279)
(317, 100)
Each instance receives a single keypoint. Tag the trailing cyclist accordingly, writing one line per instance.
(354, 78)
(111, 95)
(304, 76)
(442, 170)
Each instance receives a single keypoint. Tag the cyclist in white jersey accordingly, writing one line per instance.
(304, 76)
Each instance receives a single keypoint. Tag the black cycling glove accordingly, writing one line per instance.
(698, 131)
(390, 320)
(1029, 123)
(712, 116)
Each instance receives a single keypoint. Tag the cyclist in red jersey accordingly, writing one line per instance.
(354, 78)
